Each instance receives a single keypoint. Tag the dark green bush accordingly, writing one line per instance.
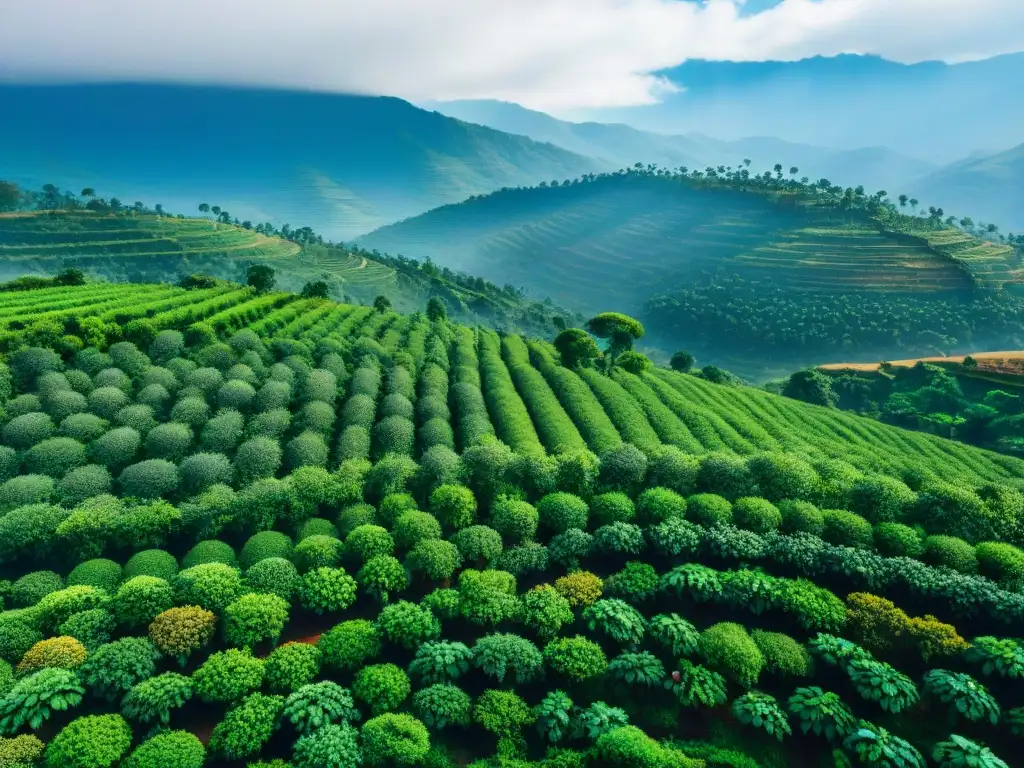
(33, 587)
(151, 562)
(728, 648)
(209, 551)
(291, 666)
(846, 529)
(274, 575)
(898, 540)
(149, 479)
(263, 545)
(22, 432)
(100, 572)
(757, 515)
(709, 509)
(170, 749)
(93, 741)
(26, 490)
(83, 483)
(116, 448)
(950, 552)
(112, 669)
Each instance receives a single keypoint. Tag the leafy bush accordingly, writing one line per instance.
(629, 747)
(580, 588)
(413, 527)
(16, 637)
(695, 686)
(25, 491)
(209, 551)
(642, 669)
(180, 631)
(897, 540)
(209, 585)
(22, 432)
(317, 552)
(871, 744)
(502, 712)
(367, 540)
(635, 583)
(846, 529)
(729, 648)
(141, 599)
(291, 666)
(116, 448)
(436, 558)
(964, 695)
(619, 538)
(782, 654)
(569, 548)
(612, 507)
(761, 711)
(263, 545)
(514, 519)
(1001, 562)
(441, 705)
(501, 654)
(959, 751)
(381, 576)
(757, 515)
(93, 741)
(333, 746)
(350, 644)
(228, 675)
(151, 562)
(877, 681)
(55, 608)
(453, 505)
(82, 483)
(575, 658)
(326, 590)
(112, 669)
(950, 552)
(545, 610)
(170, 749)
(318, 704)
(57, 652)
(478, 543)
(821, 713)
(83, 427)
(801, 517)
(247, 727)
(307, 449)
(92, 628)
(149, 479)
(152, 700)
(382, 686)
(558, 512)
(408, 624)
(440, 661)
(55, 456)
(709, 509)
(623, 468)
(675, 633)
(527, 559)
(24, 751)
(255, 618)
(33, 587)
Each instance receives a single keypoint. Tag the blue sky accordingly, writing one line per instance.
(546, 54)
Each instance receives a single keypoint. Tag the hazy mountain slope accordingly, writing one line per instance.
(341, 164)
(990, 188)
(844, 101)
(874, 167)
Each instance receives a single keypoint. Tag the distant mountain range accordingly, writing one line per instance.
(938, 112)
(622, 145)
(341, 164)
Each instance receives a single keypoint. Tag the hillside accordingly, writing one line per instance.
(340, 164)
(140, 246)
(294, 530)
(992, 185)
(621, 146)
(692, 253)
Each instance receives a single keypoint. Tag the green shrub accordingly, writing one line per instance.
(514, 519)
(149, 479)
(22, 405)
(181, 631)
(263, 545)
(844, 528)
(16, 637)
(757, 515)
(761, 711)
(950, 552)
(34, 698)
(106, 401)
(502, 712)
(502, 654)
(394, 739)
(326, 590)
(291, 666)
(273, 424)
(575, 658)
(307, 449)
(350, 644)
(274, 575)
(116, 448)
(612, 507)
(55, 608)
(26, 490)
(151, 562)
(709, 510)
(436, 558)
(209, 551)
(478, 543)
(521, 561)
(93, 741)
(441, 705)
(30, 363)
(25, 751)
(247, 727)
(153, 700)
(558, 512)
(333, 746)
(367, 540)
(317, 552)
(82, 483)
(141, 599)
(313, 706)
(9, 463)
(617, 538)
(726, 475)
(454, 505)
(255, 618)
(209, 585)
(897, 540)
(171, 749)
(382, 687)
(408, 624)
(228, 676)
(635, 583)
(381, 576)
(317, 526)
(782, 654)
(60, 405)
(92, 628)
(140, 417)
(102, 573)
(1000, 562)
(30, 531)
(413, 527)
(33, 587)
(22, 432)
(55, 456)
(112, 669)
(728, 648)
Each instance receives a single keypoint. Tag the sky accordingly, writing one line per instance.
(552, 55)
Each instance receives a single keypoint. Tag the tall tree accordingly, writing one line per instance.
(436, 309)
(261, 277)
(10, 196)
(382, 304)
(682, 361)
(315, 290)
(577, 347)
(620, 330)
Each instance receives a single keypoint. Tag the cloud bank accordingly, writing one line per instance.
(546, 54)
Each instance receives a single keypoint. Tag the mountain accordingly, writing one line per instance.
(745, 271)
(622, 146)
(989, 186)
(341, 164)
(938, 112)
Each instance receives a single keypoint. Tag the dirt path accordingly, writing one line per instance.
(995, 359)
(362, 264)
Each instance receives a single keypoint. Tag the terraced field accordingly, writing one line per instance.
(624, 238)
(288, 529)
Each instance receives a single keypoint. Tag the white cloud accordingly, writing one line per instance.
(547, 54)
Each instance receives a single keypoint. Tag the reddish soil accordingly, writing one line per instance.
(1011, 362)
